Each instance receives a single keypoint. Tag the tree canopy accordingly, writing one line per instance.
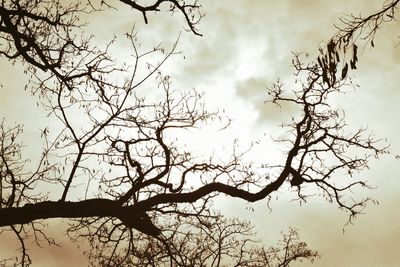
(112, 157)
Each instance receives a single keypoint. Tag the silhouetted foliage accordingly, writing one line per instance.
(353, 31)
(120, 176)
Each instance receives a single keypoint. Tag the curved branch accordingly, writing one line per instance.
(187, 11)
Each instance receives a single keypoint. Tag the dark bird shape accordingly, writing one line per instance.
(297, 179)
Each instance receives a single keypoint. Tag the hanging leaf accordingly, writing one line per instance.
(325, 78)
(332, 68)
(355, 59)
(353, 65)
(344, 70)
(331, 47)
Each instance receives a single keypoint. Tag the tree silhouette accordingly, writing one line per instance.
(212, 241)
(353, 31)
(120, 176)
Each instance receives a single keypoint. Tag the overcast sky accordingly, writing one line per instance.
(246, 46)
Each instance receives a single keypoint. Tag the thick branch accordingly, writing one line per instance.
(51, 209)
(109, 208)
(207, 189)
(186, 9)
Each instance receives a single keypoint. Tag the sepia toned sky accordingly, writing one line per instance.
(246, 46)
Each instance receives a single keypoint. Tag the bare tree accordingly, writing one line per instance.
(119, 174)
(212, 241)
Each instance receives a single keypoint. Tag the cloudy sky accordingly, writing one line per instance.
(246, 46)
